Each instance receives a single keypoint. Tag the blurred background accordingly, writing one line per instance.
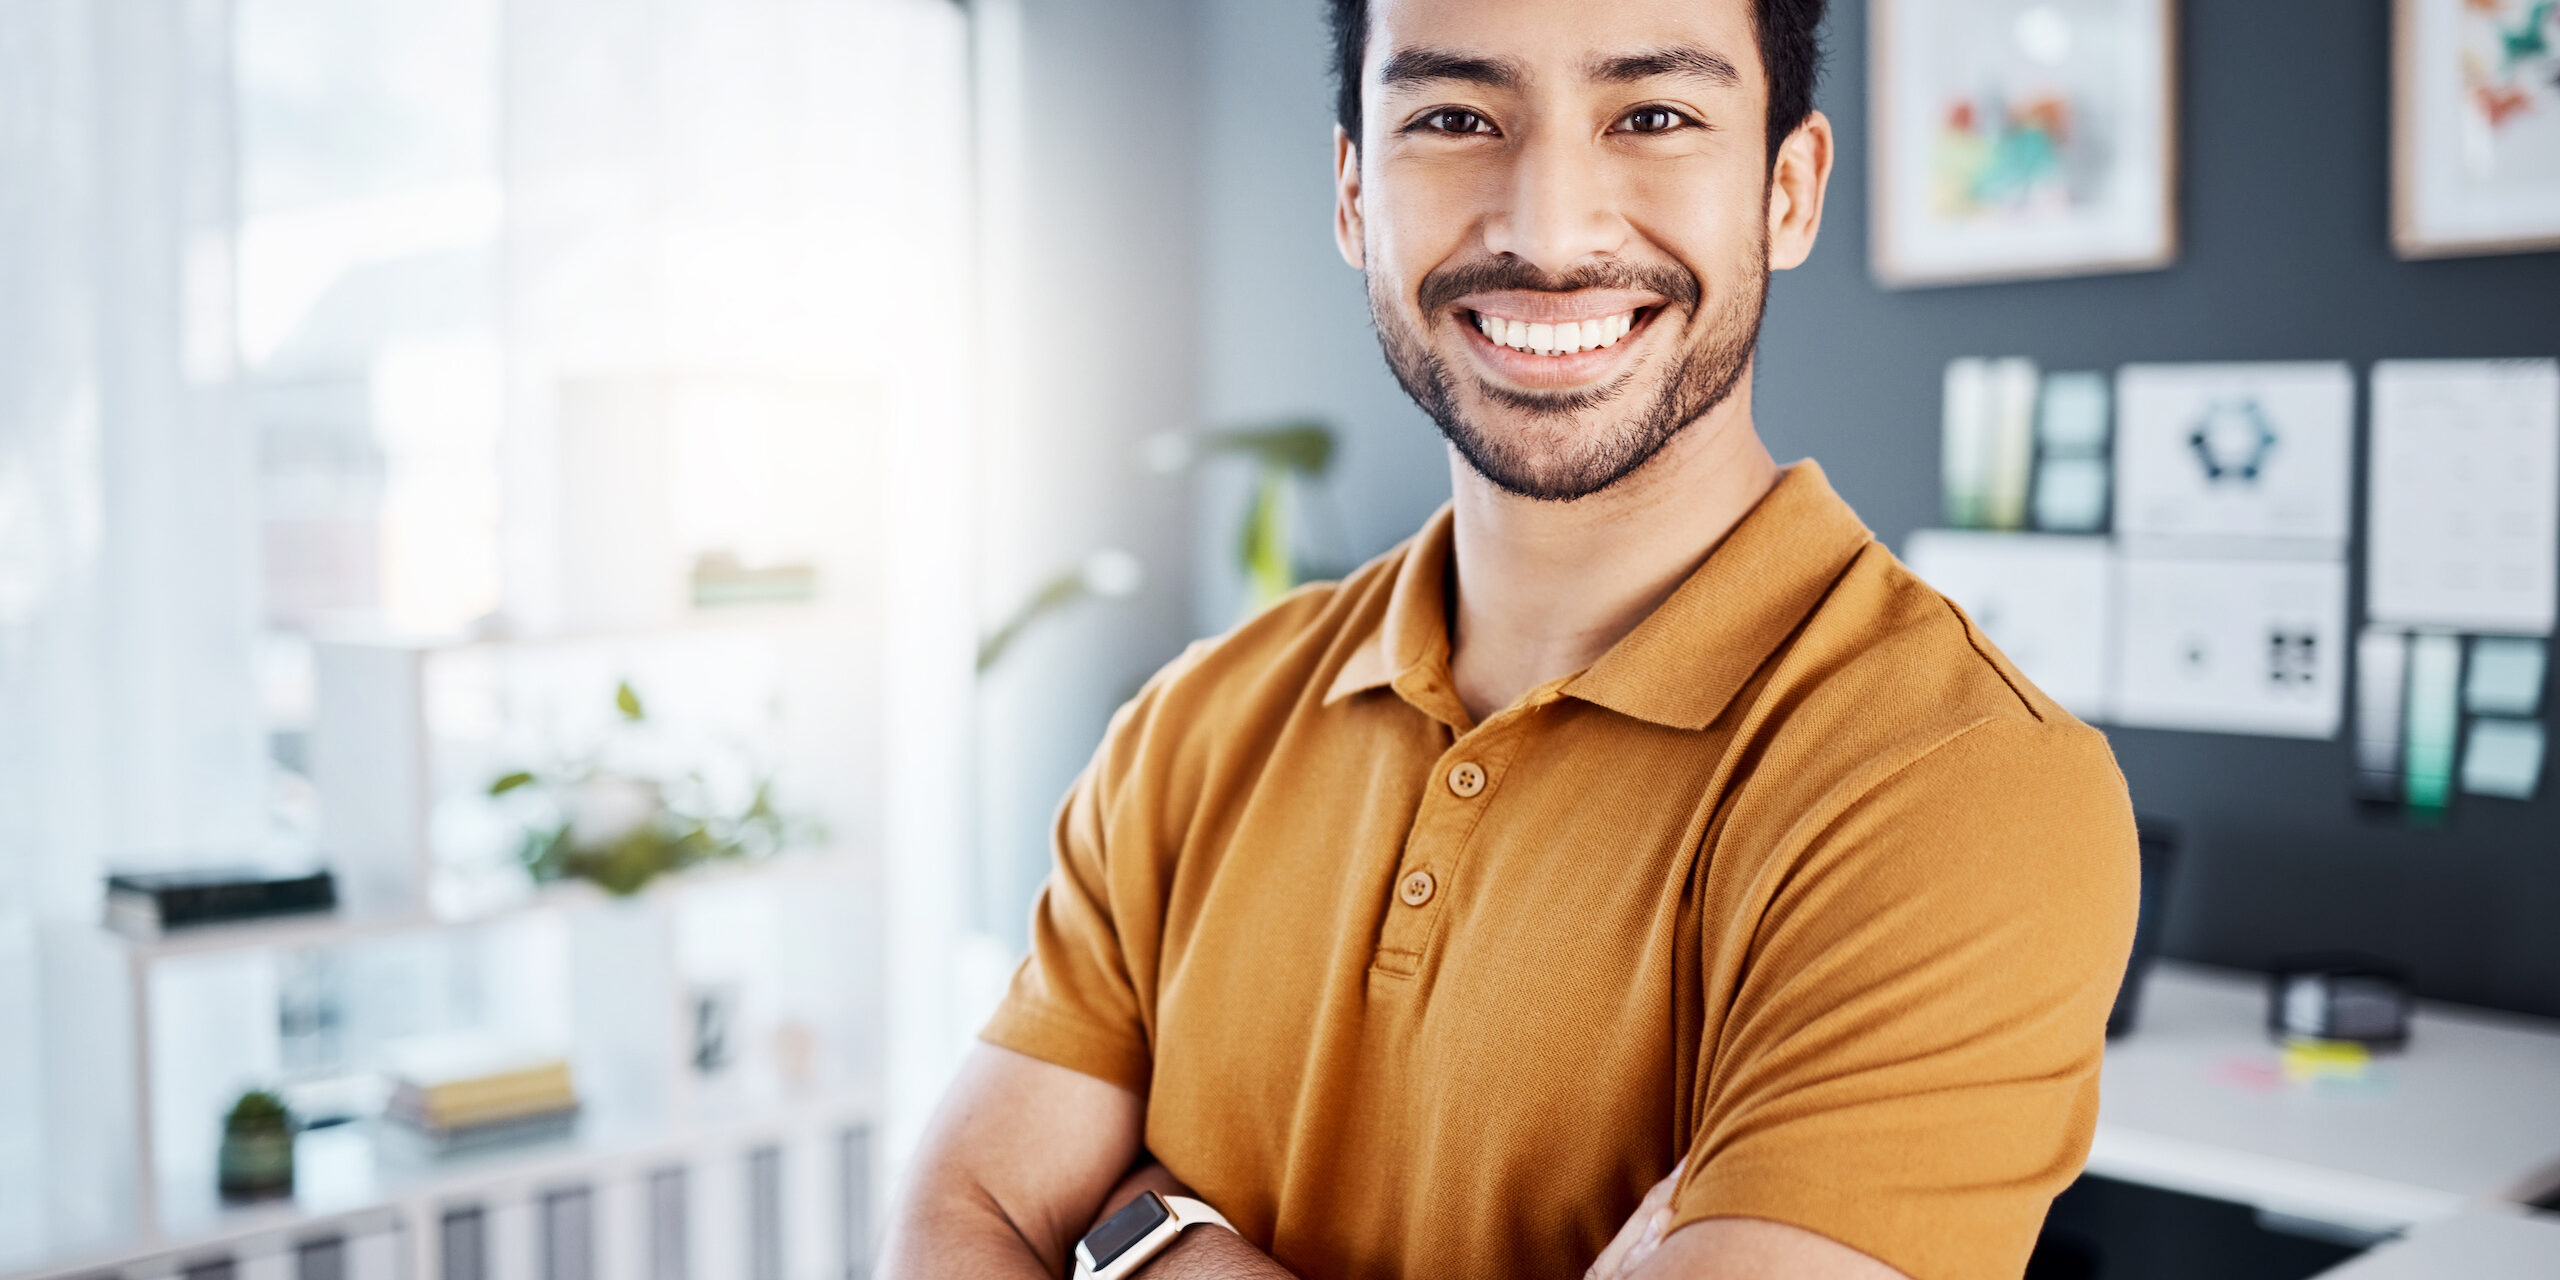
(556, 557)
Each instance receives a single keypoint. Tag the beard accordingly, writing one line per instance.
(1572, 444)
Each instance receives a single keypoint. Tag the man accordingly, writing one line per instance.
(1638, 873)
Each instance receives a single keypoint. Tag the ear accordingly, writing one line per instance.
(1797, 183)
(1346, 199)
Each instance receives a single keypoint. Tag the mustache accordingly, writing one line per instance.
(1445, 285)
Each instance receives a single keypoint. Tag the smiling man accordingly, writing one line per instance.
(1637, 874)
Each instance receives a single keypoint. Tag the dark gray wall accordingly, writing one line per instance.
(2286, 255)
(2283, 142)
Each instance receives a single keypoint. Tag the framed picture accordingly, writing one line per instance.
(2021, 138)
(2475, 127)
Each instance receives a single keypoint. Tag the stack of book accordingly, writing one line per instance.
(143, 905)
(469, 1091)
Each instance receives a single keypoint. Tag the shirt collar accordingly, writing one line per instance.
(1687, 659)
(1410, 644)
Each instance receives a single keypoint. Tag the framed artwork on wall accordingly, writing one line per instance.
(2021, 138)
(2475, 127)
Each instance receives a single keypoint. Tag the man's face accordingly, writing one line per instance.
(1563, 213)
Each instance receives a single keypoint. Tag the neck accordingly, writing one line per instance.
(1544, 588)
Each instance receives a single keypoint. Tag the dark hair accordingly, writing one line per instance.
(1790, 54)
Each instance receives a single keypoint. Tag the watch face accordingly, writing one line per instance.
(1119, 1231)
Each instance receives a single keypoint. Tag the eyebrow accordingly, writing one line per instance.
(1682, 61)
(1408, 67)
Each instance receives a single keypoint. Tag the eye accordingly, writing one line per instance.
(1454, 120)
(1652, 120)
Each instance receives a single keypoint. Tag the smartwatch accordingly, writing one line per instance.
(1120, 1244)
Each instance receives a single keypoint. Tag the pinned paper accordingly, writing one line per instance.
(2435, 674)
(2232, 646)
(2047, 602)
(2212, 453)
(2503, 759)
(2382, 669)
(1987, 443)
(2463, 507)
(2505, 677)
(2072, 474)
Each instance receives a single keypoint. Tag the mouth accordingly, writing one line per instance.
(1551, 339)
(1554, 341)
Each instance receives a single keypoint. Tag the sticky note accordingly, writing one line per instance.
(2435, 675)
(2505, 677)
(2072, 420)
(2503, 759)
(2382, 670)
(2071, 494)
(1964, 458)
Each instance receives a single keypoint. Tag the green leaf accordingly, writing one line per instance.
(519, 778)
(627, 700)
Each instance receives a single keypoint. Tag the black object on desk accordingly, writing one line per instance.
(2159, 841)
(2340, 996)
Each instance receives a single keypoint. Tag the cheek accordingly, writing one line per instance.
(1424, 215)
(1697, 213)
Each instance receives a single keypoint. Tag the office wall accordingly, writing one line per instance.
(2283, 141)
(1094, 270)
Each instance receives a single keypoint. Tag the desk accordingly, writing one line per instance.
(2195, 1100)
(2475, 1244)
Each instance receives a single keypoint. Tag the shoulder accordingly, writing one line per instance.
(1889, 670)
(1895, 714)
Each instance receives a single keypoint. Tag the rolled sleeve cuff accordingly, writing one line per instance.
(1060, 1038)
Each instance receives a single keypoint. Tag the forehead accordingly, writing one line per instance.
(1560, 40)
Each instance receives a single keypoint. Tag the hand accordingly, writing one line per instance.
(1641, 1235)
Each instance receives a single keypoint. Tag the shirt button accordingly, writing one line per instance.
(1416, 889)
(1466, 778)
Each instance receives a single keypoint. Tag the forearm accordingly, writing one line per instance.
(1211, 1253)
(955, 1231)
(1010, 1172)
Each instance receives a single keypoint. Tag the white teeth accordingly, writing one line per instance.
(1557, 339)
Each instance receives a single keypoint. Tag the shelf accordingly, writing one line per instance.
(350, 1176)
(340, 928)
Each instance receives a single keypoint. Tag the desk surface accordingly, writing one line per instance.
(2195, 1099)
(2475, 1244)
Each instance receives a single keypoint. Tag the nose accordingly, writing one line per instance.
(1558, 211)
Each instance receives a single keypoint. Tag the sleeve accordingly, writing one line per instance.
(1084, 998)
(1909, 1065)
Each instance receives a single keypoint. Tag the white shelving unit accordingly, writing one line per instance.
(770, 1183)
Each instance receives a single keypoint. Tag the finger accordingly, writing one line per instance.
(1656, 1213)
(1644, 1225)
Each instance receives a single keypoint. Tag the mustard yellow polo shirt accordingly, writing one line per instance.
(1801, 880)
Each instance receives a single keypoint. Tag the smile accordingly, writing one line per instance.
(1555, 339)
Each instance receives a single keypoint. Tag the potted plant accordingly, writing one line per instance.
(619, 828)
(256, 1161)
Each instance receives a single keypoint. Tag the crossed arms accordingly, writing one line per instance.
(1024, 1157)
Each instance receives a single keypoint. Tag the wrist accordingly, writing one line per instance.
(1147, 1227)
(1208, 1253)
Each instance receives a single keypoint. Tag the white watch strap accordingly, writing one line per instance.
(1186, 1212)
(1192, 1213)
